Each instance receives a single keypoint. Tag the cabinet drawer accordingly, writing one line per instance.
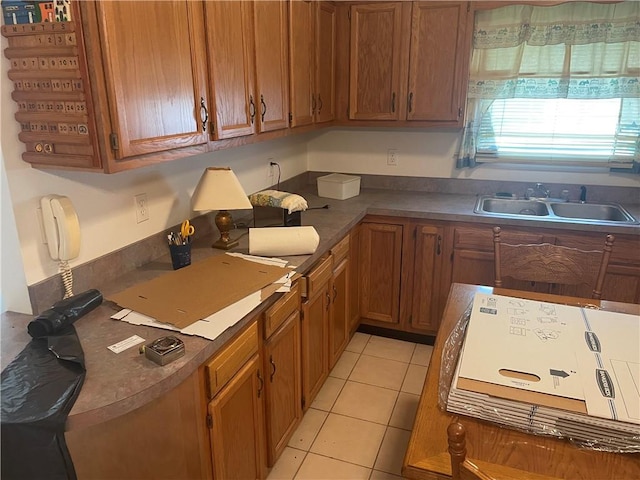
(482, 238)
(281, 310)
(227, 363)
(340, 250)
(317, 278)
(625, 248)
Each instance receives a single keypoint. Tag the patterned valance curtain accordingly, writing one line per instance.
(573, 50)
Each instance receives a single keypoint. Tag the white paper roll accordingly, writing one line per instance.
(283, 241)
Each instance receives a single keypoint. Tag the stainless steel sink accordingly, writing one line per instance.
(514, 207)
(607, 213)
(593, 211)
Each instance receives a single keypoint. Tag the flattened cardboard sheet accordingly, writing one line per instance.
(184, 296)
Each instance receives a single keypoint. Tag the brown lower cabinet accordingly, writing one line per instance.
(283, 380)
(408, 265)
(315, 331)
(236, 425)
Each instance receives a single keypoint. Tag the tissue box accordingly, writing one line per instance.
(339, 186)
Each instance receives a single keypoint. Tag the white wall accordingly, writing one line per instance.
(427, 153)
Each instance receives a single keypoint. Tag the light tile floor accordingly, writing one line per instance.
(358, 426)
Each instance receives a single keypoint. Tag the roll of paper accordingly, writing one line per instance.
(283, 241)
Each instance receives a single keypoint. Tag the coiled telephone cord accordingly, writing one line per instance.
(67, 278)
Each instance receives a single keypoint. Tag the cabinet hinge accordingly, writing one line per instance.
(209, 421)
(301, 315)
(347, 112)
(451, 257)
(460, 112)
(349, 14)
(212, 126)
(415, 233)
(468, 7)
(303, 401)
(113, 139)
(290, 119)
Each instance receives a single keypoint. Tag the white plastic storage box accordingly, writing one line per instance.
(339, 186)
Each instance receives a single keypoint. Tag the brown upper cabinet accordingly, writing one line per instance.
(408, 61)
(247, 51)
(312, 40)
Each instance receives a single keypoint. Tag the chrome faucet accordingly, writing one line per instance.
(539, 191)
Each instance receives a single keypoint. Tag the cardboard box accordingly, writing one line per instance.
(339, 186)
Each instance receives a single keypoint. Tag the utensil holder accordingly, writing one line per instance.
(180, 255)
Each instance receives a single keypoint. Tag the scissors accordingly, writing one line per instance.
(186, 230)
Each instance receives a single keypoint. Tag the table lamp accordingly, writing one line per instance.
(219, 189)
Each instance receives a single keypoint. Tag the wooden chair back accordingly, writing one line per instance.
(549, 263)
(461, 468)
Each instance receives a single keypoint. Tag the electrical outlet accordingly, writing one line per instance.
(392, 157)
(271, 169)
(142, 207)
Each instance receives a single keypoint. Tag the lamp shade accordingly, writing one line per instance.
(219, 189)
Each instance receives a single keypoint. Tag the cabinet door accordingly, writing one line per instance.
(380, 269)
(354, 278)
(230, 51)
(283, 389)
(438, 61)
(315, 324)
(339, 313)
(155, 74)
(376, 68)
(236, 432)
(427, 264)
(325, 62)
(302, 68)
(272, 64)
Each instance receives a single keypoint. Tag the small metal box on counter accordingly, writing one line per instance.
(164, 350)
(339, 186)
(275, 217)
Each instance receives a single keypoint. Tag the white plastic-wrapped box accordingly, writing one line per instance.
(339, 186)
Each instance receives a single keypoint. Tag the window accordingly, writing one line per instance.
(594, 132)
(555, 85)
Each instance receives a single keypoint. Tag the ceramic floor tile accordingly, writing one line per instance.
(404, 412)
(377, 371)
(328, 394)
(392, 451)
(358, 342)
(366, 402)
(378, 475)
(414, 381)
(287, 465)
(309, 427)
(422, 355)
(349, 439)
(344, 365)
(389, 348)
(317, 467)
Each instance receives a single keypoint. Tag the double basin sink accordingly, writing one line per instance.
(610, 213)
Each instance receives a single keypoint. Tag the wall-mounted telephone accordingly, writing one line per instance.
(61, 227)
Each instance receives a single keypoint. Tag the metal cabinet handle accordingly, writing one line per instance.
(264, 108)
(410, 101)
(261, 383)
(335, 293)
(319, 104)
(273, 368)
(252, 108)
(393, 102)
(204, 114)
(438, 245)
(328, 300)
(313, 104)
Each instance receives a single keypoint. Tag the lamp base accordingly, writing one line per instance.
(224, 222)
(221, 244)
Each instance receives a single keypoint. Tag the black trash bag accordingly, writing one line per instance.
(64, 313)
(39, 388)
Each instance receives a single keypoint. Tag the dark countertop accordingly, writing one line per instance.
(118, 384)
